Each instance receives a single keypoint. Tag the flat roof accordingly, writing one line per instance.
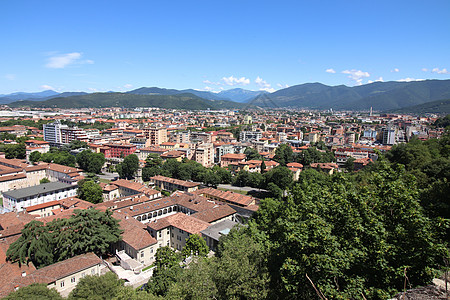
(37, 189)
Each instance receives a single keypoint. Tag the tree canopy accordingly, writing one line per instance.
(88, 230)
(128, 167)
(90, 162)
(90, 191)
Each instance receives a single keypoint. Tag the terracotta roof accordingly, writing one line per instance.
(193, 202)
(215, 213)
(42, 205)
(233, 156)
(12, 177)
(294, 165)
(174, 181)
(227, 196)
(60, 270)
(142, 208)
(134, 233)
(181, 221)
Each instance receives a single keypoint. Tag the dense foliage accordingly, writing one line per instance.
(128, 168)
(90, 162)
(37, 291)
(90, 191)
(87, 230)
(184, 170)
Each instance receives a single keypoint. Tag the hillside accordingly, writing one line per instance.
(179, 101)
(440, 106)
(378, 95)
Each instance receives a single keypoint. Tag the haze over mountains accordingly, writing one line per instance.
(381, 96)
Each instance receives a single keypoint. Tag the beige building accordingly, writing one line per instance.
(170, 184)
(175, 229)
(156, 136)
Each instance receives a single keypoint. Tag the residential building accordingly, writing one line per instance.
(18, 200)
(156, 136)
(170, 184)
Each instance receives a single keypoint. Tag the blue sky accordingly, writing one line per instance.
(213, 45)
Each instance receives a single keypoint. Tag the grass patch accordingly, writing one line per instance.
(148, 267)
(104, 180)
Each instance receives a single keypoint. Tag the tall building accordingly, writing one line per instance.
(56, 134)
(156, 136)
(52, 132)
(388, 136)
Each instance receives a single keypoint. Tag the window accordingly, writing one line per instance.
(83, 274)
(62, 283)
(142, 254)
(160, 234)
(93, 271)
(168, 231)
(72, 279)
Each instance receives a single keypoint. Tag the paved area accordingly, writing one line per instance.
(132, 279)
(108, 176)
(239, 188)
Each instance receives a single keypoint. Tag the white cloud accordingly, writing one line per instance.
(408, 79)
(332, 71)
(236, 81)
(356, 75)
(425, 69)
(380, 79)
(264, 85)
(128, 86)
(47, 87)
(438, 71)
(92, 89)
(10, 76)
(210, 89)
(396, 70)
(283, 86)
(63, 60)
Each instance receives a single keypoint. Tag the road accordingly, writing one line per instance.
(239, 188)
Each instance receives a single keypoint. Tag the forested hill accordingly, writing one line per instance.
(378, 95)
(179, 101)
(440, 106)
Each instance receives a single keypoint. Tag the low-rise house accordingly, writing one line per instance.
(18, 200)
(329, 168)
(213, 233)
(170, 184)
(175, 229)
(229, 158)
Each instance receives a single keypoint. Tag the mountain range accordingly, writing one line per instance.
(381, 96)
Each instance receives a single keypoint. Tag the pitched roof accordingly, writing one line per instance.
(174, 181)
(38, 189)
(215, 213)
(181, 221)
(227, 196)
(134, 233)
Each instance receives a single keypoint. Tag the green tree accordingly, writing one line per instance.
(90, 162)
(195, 245)
(284, 154)
(251, 154)
(90, 191)
(37, 291)
(280, 176)
(128, 167)
(350, 164)
(88, 230)
(165, 258)
(195, 282)
(44, 180)
(105, 287)
(161, 282)
(35, 156)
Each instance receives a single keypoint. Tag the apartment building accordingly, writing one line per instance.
(156, 136)
(20, 199)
